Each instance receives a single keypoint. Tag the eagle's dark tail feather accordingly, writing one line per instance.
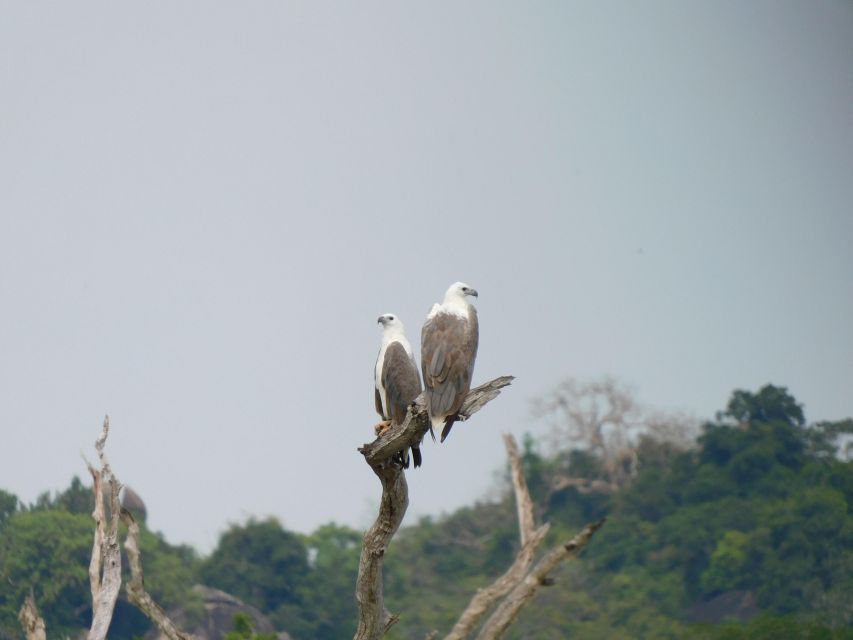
(448, 423)
(402, 458)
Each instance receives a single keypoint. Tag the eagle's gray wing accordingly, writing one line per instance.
(448, 351)
(401, 381)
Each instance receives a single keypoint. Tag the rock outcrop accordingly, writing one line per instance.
(216, 617)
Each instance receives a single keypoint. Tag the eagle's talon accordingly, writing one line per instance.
(381, 427)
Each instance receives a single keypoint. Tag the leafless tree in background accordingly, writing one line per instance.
(604, 418)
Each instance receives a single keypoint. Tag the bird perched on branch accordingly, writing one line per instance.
(397, 381)
(448, 349)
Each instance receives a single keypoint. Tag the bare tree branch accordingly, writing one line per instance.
(31, 621)
(601, 416)
(374, 620)
(484, 599)
(97, 544)
(105, 566)
(135, 588)
(478, 398)
(523, 502)
(604, 418)
(508, 610)
(416, 423)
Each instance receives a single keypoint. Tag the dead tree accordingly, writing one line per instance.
(601, 417)
(520, 583)
(374, 620)
(105, 565)
(604, 418)
(510, 592)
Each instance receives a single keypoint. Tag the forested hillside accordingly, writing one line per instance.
(751, 521)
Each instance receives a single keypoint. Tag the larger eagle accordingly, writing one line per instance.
(448, 349)
(396, 379)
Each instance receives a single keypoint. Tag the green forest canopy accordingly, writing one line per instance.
(754, 519)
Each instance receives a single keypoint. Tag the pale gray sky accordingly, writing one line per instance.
(205, 206)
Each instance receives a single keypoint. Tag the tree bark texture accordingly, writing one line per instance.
(105, 565)
(374, 619)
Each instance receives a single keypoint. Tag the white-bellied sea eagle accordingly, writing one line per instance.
(397, 380)
(448, 349)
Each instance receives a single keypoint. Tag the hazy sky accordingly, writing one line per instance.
(205, 206)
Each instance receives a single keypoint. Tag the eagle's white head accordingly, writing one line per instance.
(391, 324)
(457, 292)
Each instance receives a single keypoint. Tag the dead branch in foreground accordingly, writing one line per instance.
(508, 610)
(485, 598)
(374, 619)
(105, 563)
(135, 588)
(30, 620)
(517, 582)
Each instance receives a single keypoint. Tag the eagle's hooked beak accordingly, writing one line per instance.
(472, 292)
(380, 319)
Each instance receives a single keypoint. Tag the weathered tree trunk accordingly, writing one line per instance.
(519, 582)
(374, 620)
(105, 565)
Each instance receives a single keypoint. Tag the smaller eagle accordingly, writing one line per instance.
(397, 380)
(448, 349)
